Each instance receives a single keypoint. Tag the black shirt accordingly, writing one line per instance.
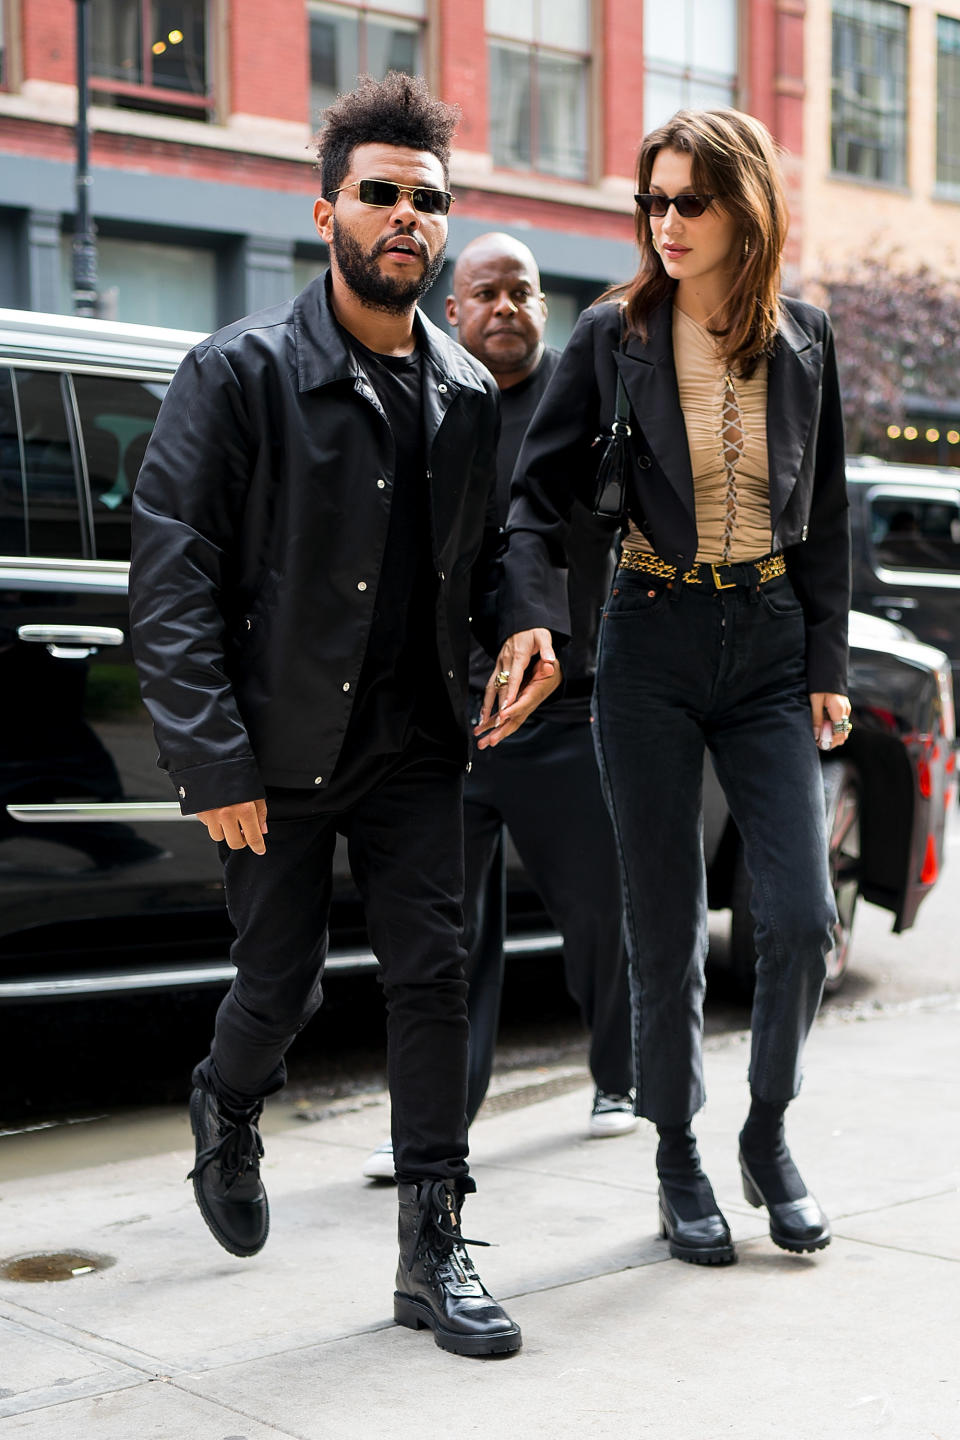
(401, 711)
(590, 556)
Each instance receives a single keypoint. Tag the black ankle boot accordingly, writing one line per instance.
(437, 1285)
(771, 1178)
(226, 1173)
(690, 1218)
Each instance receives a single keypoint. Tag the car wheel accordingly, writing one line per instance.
(841, 788)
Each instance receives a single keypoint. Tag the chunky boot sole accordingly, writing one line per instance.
(222, 1238)
(415, 1315)
(695, 1254)
(795, 1245)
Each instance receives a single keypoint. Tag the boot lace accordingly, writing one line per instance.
(238, 1151)
(439, 1241)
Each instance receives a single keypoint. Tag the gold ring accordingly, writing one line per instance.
(502, 678)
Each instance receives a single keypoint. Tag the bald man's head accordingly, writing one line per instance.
(498, 307)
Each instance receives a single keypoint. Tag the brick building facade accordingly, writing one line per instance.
(202, 113)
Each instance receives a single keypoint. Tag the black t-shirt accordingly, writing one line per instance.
(590, 557)
(401, 709)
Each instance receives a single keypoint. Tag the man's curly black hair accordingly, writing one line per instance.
(398, 110)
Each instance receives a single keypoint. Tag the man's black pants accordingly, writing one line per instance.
(405, 845)
(543, 785)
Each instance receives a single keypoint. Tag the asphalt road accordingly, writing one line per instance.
(119, 1069)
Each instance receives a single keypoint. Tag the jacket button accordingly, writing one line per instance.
(469, 766)
(381, 484)
(346, 686)
(361, 584)
(644, 462)
(182, 793)
(440, 575)
(318, 780)
(449, 674)
(442, 389)
(804, 532)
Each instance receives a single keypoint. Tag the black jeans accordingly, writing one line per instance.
(680, 669)
(406, 853)
(543, 785)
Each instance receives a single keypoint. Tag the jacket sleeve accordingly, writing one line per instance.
(486, 575)
(819, 568)
(555, 466)
(186, 519)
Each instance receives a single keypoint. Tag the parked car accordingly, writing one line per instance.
(104, 887)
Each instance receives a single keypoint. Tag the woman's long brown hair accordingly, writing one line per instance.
(734, 157)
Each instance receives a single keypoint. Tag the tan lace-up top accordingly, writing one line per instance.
(726, 422)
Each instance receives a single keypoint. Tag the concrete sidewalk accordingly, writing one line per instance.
(177, 1340)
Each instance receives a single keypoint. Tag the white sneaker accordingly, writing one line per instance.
(611, 1115)
(379, 1165)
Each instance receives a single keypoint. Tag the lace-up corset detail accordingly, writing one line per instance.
(726, 424)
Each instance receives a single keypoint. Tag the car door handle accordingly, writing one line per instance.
(71, 642)
(894, 602)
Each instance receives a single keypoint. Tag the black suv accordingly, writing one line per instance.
(104, 887)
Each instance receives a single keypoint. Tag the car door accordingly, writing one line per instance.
(89, 832)
(911, 540)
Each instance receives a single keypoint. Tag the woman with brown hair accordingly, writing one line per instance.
(725, 628)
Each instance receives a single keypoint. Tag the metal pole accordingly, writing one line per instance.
(85, 299)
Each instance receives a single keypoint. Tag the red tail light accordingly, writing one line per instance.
(931, 866)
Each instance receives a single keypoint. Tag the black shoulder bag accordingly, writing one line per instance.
(610, 486)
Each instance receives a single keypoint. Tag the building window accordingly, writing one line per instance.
(151, 55)
(147, 282)
(690, 57)
(869, 119)
(948, 102)
(351, 40)
(539, 58)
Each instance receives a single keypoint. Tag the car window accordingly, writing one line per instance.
(116, 418)
(916, 534)
(13, 536)
(52, 491)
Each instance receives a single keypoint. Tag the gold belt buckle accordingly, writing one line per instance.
(730, 584)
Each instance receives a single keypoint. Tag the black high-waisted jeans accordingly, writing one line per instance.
(680, 669)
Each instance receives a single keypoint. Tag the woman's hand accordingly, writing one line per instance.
(836, 708)
(531, 671)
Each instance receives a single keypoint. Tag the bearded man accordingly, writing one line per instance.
(313, 527)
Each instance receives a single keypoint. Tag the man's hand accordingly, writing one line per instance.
(533, 673)
(824, 705)
(239, 825)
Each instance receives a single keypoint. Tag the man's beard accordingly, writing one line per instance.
(362, 274)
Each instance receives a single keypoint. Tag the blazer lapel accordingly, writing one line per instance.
(793, 387)
(650, 379)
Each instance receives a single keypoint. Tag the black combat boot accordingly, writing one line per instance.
(437, 1285)
(226, 1174)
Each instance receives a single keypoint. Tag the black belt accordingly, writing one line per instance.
(714, 575)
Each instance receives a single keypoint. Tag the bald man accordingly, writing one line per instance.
(541, 784)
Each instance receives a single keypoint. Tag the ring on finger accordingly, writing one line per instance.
(503, 677)
(842, 726)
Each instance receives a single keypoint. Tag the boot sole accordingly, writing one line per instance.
(417, 1316)
(722, 1255)
(243, 1252)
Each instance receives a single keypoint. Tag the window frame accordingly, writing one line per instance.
(363, 10)
(534, 49)
(205, 106)
(901, 157)
(947, 186)
(689, 74)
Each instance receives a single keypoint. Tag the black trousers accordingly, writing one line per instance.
(406, 853)
(543, 785)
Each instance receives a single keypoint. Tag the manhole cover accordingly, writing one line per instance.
(58, 1265)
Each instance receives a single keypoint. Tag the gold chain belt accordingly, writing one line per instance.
(720, 575)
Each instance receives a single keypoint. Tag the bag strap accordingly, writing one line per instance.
(621, 414)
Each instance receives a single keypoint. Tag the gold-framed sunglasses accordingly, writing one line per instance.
(385, 193)
(689, 207)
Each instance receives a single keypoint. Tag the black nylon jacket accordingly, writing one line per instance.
(805, 450)
(259, 524)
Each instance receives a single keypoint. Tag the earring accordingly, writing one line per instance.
(746, 247)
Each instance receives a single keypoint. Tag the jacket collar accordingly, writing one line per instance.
(323, 355)
(793, 378)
